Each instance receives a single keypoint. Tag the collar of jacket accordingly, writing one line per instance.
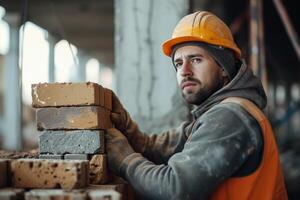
(245, 85)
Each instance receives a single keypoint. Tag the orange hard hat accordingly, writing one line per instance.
(201, 26)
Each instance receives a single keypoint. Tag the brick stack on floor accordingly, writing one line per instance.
(71, 118)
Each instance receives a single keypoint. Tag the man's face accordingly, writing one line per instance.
(198, 75)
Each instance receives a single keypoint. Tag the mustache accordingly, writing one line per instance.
(188, 78)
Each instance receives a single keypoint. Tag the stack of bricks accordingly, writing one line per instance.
(72, 119)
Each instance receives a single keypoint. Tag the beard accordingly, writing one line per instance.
(203, 92)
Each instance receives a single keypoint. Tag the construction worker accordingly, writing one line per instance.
(227, 151)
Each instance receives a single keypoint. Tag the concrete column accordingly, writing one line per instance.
(145, 78)
(12, 88)
(52, 42)
(80, 68)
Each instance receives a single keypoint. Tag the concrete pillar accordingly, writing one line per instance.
(12, 88)
(80, 68)
(145, 78)
(52, 42)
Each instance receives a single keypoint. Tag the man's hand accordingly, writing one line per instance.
(118, 148)
(122, 121)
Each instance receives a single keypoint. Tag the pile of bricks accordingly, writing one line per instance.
(72, 119)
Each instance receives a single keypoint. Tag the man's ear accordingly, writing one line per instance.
(224, 74)
(225, 77)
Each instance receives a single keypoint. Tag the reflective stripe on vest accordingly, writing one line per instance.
(266, 183)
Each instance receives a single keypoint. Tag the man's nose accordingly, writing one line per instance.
(186, 69)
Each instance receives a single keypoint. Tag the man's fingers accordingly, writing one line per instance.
(116, 104)
(112, 132)
(116, 118)
(118, 115)
(108, 136)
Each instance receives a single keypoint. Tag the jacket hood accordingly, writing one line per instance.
(245, 85)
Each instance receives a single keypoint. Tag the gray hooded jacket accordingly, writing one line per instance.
(190, 162)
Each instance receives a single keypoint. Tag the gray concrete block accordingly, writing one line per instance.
(76, 156)
(72, 142)
(51, 156)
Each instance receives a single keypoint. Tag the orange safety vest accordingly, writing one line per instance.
(267, 182)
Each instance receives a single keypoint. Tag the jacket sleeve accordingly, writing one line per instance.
(221, 142)
(157, 147)
(160, 147)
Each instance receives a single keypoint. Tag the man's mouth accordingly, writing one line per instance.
(186, 84)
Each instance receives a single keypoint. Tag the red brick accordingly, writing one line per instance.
(35, 173)
(72, 118)
(65, 94)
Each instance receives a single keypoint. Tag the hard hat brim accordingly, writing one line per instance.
(169, 44)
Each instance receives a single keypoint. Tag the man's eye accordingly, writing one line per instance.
(178, 65)
(196, 60)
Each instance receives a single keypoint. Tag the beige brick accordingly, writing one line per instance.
(19, 154)
(55, 194)
(37, 173)
(104, 195)
(98, 173)
(4, 173)
(108, 99)
(65, 94)
(72, 118)
(11, 194)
